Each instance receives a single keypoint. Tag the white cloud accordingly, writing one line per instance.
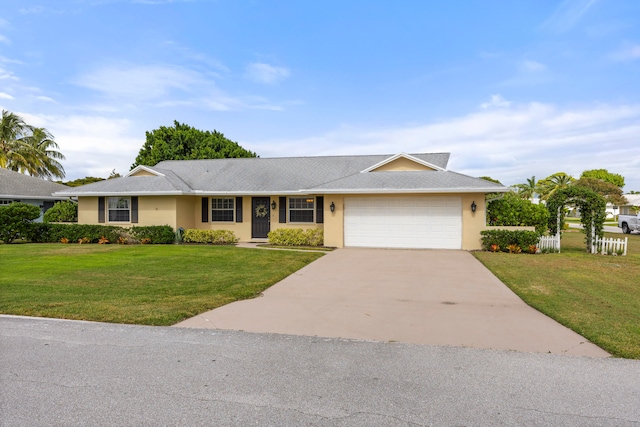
(497, 101)
(163, 86)
(45, 98)
(4, 95)
(7, 75)
(140, 82)
(533, 66)
(93, 145)
(507, 144)
(32, 10)
(264, 73)
(567, 15)
(626, 53)
(529, 72)
(4, 39)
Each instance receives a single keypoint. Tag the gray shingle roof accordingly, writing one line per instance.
(14, 185)
(434, 181)
(288, 175)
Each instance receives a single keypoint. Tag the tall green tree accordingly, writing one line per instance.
(528, 189)
(551, 184)
(604, 175)
(13, 131)
(43, 155)
(28, 149)
(611, 192)
(183, 142)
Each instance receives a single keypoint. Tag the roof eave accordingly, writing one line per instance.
(123, 193)
(254, 193)
(25, 197)
(408, 190)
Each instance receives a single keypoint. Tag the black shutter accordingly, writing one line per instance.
(205, 209)
(101, 209)
(283, 210)
(319, 209)
(134, 210)
(238, 209)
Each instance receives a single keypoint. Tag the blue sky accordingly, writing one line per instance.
(511, 88)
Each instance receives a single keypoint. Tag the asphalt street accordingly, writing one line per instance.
(57, 372)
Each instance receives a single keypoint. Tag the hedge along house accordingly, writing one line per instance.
(18, 187)
(386, 201)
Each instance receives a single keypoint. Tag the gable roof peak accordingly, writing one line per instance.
(145, 169)
(404, 156)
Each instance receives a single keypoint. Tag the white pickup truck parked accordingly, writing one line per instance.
(629, 223)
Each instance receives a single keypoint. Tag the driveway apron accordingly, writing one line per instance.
(438, 297)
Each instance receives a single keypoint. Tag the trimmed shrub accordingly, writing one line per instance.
(16, 220)
(88, 233)
(514, 211)
(91, 233)
(157, 234)
(66, 211)
(296, 237)
(513, 241)
(216, 237)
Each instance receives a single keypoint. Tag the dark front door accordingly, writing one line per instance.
(260, 217)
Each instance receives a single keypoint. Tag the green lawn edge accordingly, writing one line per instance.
(594, 295)
(136, 284)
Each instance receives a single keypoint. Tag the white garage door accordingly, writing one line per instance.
(403, 222)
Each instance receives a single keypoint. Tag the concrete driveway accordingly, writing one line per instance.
(439, 297)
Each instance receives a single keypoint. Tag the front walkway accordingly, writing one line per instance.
(439, 297)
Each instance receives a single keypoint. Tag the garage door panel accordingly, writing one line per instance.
(404, 222)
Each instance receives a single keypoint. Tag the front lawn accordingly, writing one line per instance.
(597, 296)
(141, 284)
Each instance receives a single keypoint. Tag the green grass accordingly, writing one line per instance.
(139, 284)
(597, 296)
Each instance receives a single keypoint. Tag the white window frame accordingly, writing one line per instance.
(301, 202)
(115, 208)
(223, 204)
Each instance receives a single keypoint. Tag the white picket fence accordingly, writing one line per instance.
(549, 242)
(609, 246)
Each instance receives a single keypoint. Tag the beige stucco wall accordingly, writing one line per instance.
(185, 212)
(87, 210)
(157, 210)
(185, 207)
(334, 222)
(402, 164)
(473, 223)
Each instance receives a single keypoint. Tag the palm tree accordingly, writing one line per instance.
(45, 156)
(28, 149)
(548, 186)
(527, 190)
(12, 133)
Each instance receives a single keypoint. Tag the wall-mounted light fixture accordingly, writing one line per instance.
(273, 205)
(473, 206)
(332, 206)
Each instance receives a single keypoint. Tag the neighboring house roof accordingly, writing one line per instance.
(632, 199)
(14, 185)
(289, 175)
